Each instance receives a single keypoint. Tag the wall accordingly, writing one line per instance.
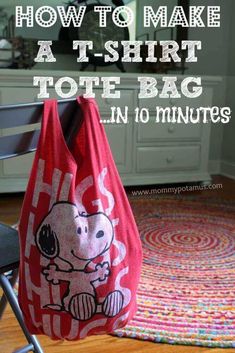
(228, 148)
(212, 60)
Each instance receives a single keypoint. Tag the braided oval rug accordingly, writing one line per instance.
(187, 290)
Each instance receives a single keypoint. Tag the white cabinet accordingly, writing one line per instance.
(151, 153)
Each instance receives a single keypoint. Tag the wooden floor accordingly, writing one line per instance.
(11, 337)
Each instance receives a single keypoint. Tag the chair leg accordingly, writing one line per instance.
(3, 301)
(12, 299)
(25, 349)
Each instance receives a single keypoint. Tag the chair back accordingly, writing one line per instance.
(20, 126)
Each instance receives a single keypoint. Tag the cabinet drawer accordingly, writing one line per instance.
(158, 131)
(120, 143)
(11, 95)
(204, 100)
(19, 95)
(105, 104)
(16, 95)
(18, 166)
(154, 159)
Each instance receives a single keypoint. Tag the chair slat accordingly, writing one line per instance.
(23, 115)
(31, 113)
(14, 145)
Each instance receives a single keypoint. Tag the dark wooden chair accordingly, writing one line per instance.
(12, 146)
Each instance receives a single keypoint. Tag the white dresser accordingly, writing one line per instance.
(152, 153)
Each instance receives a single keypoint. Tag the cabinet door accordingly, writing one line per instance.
(120, 140)
(119, 137)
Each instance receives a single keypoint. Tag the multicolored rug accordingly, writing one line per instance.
(187, 289)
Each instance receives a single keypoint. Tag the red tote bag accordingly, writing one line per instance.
(80, 248)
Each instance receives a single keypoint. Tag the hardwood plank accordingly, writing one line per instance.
(12, 338)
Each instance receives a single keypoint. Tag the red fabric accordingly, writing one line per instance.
(80, 248)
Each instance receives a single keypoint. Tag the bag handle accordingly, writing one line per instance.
(94, 129)
(91, 136)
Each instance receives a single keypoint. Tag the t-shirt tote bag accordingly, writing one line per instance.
(80, 248)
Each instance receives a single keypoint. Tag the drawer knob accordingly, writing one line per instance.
(171, 129)
(170, 159)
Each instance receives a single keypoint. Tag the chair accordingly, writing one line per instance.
(12, 146)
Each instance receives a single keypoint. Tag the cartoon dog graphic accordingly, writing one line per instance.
(73, 240)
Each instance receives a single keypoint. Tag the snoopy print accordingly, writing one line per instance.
(73, 243)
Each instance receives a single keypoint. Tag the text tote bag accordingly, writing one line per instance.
(80, 248)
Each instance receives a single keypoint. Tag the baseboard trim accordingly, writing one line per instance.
(220, 167)
(228, 169)
(214, 167)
